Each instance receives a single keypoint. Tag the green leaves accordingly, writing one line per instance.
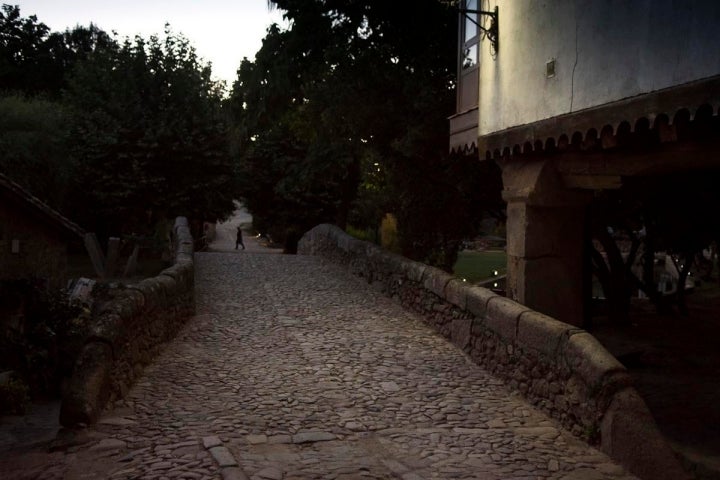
(152, 134)
(34, 147)
(343, 115)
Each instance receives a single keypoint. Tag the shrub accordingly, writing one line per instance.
(43, 341)
(14, 397)
(368, 234)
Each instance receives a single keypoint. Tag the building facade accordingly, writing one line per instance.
(571, 97)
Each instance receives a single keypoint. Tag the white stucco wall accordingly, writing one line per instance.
(605, 50)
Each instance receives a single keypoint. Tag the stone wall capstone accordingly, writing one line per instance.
(558, 367)
(128, 330)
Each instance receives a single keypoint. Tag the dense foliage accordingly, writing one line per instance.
(34, 138)
(342, 118)
(151, 137)
(128, 132)
(646, 216)
(41, 333)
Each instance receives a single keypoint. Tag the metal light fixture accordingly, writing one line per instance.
(491, 33)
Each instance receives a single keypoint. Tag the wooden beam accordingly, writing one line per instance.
(96, 255)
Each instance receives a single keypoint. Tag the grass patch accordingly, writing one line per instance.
(367, 235)
(478, 266)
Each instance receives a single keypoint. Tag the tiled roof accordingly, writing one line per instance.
(20, 193)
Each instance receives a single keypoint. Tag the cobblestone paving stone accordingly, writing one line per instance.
(296, 370)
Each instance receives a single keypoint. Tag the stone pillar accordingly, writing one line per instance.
(545, 240)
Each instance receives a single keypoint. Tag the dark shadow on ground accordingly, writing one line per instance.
(38, 426)
(675, 363)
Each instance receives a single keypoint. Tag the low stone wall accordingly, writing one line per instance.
(558, 367)
(128, 330)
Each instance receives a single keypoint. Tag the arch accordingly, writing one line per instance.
(681, 124)
(662, 128)
(643, 134)
(465, 149)
(577, 139)
(646, 130)
(591, 139)
(703, 122)
(607, 138)
(623, 134)
(704, 113)
(642, 124)
(563, 142)
(681, 116)
(662, 120)
(550, 144)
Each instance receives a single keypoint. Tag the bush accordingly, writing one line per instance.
(14, 397)
(43, 336)
(367, 235)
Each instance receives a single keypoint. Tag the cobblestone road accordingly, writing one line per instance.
(293, 369)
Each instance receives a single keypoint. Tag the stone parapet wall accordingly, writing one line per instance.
(129, 327)
(558, 367)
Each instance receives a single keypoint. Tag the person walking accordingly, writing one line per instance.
(239, 239)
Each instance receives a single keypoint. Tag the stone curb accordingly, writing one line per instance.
(159, 298)
(540, 332)
(228, 465)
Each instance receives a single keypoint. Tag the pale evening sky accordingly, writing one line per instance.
(222, 31)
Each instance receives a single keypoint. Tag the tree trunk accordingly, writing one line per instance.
(616, 286)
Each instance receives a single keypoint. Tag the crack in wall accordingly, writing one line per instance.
(572, 79)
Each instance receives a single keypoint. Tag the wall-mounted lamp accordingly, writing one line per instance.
(491, 33)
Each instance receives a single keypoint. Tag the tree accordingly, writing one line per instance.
(150, 136)
(352, 88)
(651, 214)
(134, 130)
(24, 56)
(34, 60)
(441, 205)
(34, 138)
(293, 175)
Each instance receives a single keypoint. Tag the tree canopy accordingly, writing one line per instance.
(343, 116)
(36, 61)
(340, 118)
(152, 135)
(130, 131)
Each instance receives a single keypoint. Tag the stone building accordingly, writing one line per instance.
(34, 238)
(571, 97)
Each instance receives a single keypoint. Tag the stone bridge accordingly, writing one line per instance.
(292, 368)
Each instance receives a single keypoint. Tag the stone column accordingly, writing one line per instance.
(545, 240)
